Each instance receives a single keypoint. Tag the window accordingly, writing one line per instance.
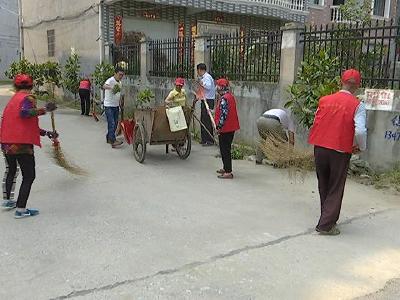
(318, 2)
(380, 8)
(51, 42)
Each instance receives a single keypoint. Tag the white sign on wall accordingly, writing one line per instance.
(379, 99)
(210, 28)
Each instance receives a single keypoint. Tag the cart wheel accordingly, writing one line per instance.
(184, 149)
(139, 143)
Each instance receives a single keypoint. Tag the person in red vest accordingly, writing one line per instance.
(227, 122)
(339, 130)
(19, 132)
(84, 94)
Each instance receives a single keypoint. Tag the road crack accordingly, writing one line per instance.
(210, 260)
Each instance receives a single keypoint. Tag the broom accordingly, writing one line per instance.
(198, 91)
(58, 155)
(96, 118)
(283, 155)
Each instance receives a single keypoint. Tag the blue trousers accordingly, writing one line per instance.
(112, 122)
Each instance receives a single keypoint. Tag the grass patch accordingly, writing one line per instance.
(61, 101)
(389, 179)
(240, 151)
(6, 82)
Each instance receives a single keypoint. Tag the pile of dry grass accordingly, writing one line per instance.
(282, 155)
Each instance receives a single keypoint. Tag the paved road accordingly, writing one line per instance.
(168, 229)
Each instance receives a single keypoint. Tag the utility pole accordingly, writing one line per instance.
(21, 31)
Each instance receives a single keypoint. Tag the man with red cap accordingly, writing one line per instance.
(19, 133)
(177, 97)
(227, 122)
(339, 130)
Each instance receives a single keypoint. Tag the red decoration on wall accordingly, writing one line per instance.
(219, 19)
(118, 30)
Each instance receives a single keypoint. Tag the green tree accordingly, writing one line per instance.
(356, 11)
(52, 75)
(17, 67)
(101, 73)
(71, 74)
(315, 79)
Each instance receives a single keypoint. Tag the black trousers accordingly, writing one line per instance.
(205, 119)
(225, 146)
(27, 164)
(84, 94)
(332, 167)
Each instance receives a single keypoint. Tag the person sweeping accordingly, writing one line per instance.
(338, 131)
(227, 122)
(275, 123)
(19, 133)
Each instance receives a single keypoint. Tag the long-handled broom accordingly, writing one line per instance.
(96, 118)
(58, 155)
(198, 91)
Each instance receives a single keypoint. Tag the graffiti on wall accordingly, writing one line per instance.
(394, 135)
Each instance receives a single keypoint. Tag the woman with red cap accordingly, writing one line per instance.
(177, 97)
(227, 122)
(338, 131)
(19, 133)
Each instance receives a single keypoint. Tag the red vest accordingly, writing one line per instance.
(84, 84)
(334, 122)
(15, 129)
(232, 121)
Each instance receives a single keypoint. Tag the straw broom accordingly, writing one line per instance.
(58, 155)
(283, 155)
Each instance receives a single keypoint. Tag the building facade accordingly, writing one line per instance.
(9, 34)
(328, 11)
(52, 28)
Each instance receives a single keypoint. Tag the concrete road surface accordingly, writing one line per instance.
(168, 229)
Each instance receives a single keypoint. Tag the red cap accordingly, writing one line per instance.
(353, 75)
(23, 80)
(180, 81)
(222, 82)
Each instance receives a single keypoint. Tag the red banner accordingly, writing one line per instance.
(118, 30)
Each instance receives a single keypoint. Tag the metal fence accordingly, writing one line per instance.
(253, 57)
(172, 58)
(372, 48)
(127, 57)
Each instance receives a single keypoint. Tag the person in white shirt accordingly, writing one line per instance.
(112, 102)
(276, 122)
(207, 82)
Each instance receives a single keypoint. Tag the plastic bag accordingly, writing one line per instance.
(176, 119)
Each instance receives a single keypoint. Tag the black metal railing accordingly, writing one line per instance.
(172, 58)
(127, 57)
(372, 48)
(252, 57)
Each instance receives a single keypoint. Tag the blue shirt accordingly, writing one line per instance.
(209, 86)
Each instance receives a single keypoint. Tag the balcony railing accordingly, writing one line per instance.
(336, 15)
(297, 5)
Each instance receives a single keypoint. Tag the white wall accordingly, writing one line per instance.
(80, 33)
(9, 34)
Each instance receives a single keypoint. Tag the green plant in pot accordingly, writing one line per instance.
(144, 97)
